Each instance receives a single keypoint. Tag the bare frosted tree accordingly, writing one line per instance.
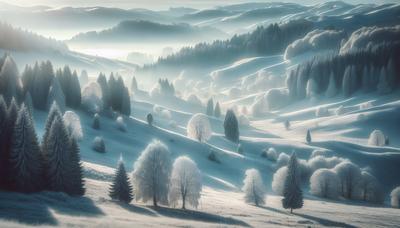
(151, 174)
(253, 187)
(199, 128)
(185, 185)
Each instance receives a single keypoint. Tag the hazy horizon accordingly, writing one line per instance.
(161, 5)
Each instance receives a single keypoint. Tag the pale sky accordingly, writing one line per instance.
(160, 4)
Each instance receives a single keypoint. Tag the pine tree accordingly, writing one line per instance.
(56, 95)
(346, 84)
(210, 107)
(76, 96)
(76, 186)
(58, 154)
(217, 110)
(292, 194)
(121, 188)
(331, 90)
(3, 133)
(308, 137)
(134, 85)
(149, 118)
(231, 126)
(28, 102)
(53, 113)
(25, 157)
(105, 91)
(126, 102)
(9, 80)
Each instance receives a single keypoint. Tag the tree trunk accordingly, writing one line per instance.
(183, 203)
(155, 200)
(291, 210)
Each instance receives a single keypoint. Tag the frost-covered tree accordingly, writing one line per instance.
(76, 186)
(292, 193)
(210, 107)
(283, 160)
(253, 187)
(92, 100)
(217, 110)
(331, 91)
(395, 197)
(376, 138)
(278, 180)
(121, 188)
(272, 155)
(370, 188)
(149, 119)
(349, 175)
(25, 161)
(308, 136)
(73, 125)
(199, 127)
(185, 184)
(98, 144)
(58, 153)
(151, 174)
(325, 183)
(120, 123)
(96, 121)
(231, 126)
(319, 162)
(56, 94)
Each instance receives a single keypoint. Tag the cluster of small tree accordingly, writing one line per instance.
(166, 87)
(211, 110)
(45, 86)
(369, 69)
(70, 86)
(28, 166)
(262, 41)
(156, 179)
(115, 94)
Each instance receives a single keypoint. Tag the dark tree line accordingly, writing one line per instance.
(263, 41)
(115, 94)
(166, 87)
(28, 166)
(37, 80)
(375, 68)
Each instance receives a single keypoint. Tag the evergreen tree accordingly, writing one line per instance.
(121, 188)
(210, 107)
(331, 90)
(28, 102)
(25, 157)
(76, 186)
(12, 114)
(134, 85)
(3, 133)
(43, 77)
(75, 93)
(105, 91)
(53, 113)
(126, 102)
(308, 137)
(292, 194)
(346, 86)
(149, 118)
(58, 154)
(10, 86)
(231, 126)
(56, 95)
(217, 110)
